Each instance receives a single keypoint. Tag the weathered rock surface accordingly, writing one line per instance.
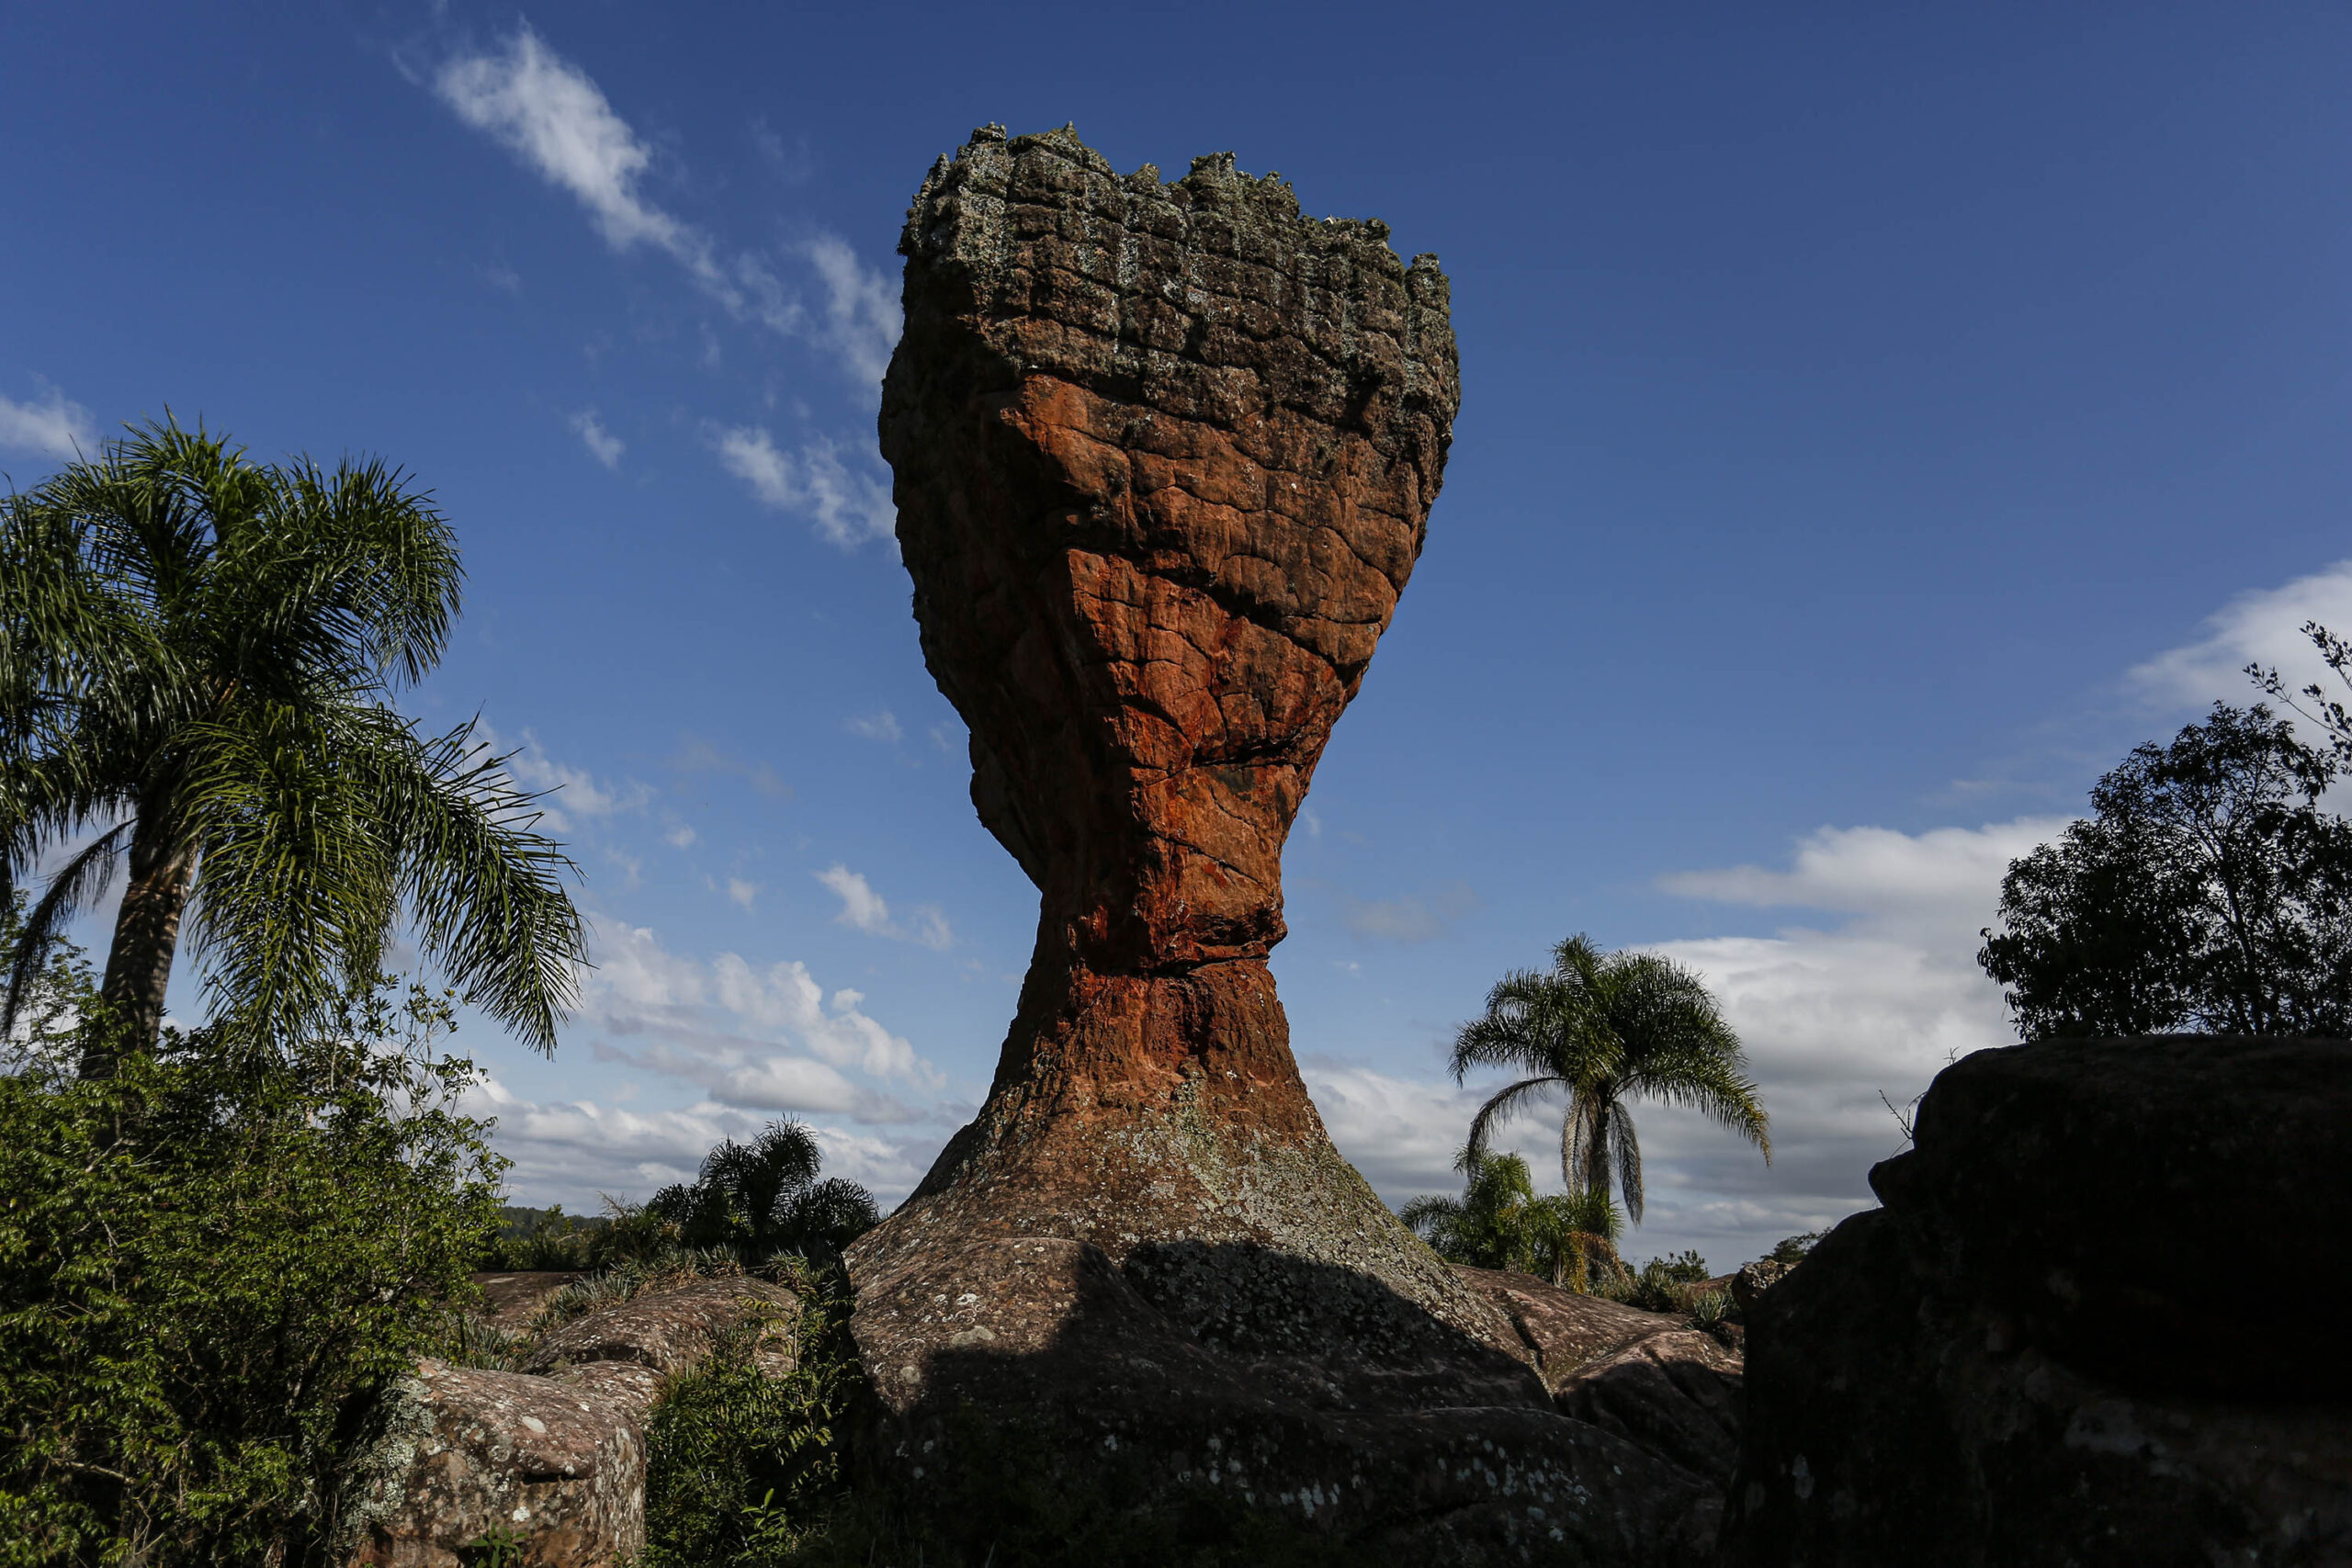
(2083, 1329)
(553, 1455)
(1164, 456)
(511, 1298)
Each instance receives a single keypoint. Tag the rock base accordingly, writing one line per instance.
(1603, 1437)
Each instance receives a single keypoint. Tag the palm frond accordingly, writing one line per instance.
(295, 889)
(484, 889)
(1628, 1150)
(79, 884)
(1500, 1106)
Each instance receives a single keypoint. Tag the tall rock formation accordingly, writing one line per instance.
(1165, 454)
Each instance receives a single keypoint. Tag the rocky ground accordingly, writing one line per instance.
(551, 1453)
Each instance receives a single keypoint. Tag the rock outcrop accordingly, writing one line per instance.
(2091, 1326)
(1164, 458)
(552, 1456)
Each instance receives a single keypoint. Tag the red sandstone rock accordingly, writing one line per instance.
(1164, 458)
(1165, 454)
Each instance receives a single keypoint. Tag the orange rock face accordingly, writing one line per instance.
(1165, 454)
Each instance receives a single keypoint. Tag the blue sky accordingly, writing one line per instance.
(1875, 421)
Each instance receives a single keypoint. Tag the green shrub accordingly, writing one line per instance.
(543, 1239)
(741, 1468)
(209, 1263)
(1794, 1249)
(1662, 1285)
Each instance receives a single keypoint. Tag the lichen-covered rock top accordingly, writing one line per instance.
(1210, 296)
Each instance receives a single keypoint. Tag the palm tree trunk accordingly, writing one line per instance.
(1595, 1108)
(146, 935)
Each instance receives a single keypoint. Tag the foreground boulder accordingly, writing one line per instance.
(2093, 1325)
(551, 1457)
(1164, 456)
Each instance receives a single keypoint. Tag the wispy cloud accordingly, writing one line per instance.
(864, 909)
(743, 893)
(702, 757)
(53, 425)
(847, 508)
(602, 444)
(570, 791)
(861, 322)
(1410, 918)
(881, 726)
(553, 116)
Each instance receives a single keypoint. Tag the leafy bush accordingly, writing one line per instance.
(1663, 1285)
(543, 1239)
(1711, 1312)
(1793, 1250)
(741, 1467)
(209, 1263)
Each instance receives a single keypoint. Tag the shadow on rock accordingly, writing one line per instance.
(1207, 1395)
(2080, 1332)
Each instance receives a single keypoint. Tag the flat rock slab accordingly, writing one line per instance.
(668, 1331)
(510, 1300)
(554, 1456)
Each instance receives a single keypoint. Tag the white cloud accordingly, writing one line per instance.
(52, 426)
(679, 837)
(602, 444)
(864, 909)
(1877, 1002)
(742, 892)
(847, 508)
(1928, 885)
(2262, 626)
(550, 114)
(881, 726)
(767, 1038)
(861, 907)
(574, 1151)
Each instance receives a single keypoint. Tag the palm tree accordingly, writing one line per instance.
(196, 654)
(763, 1198)
(1600, 1029)
(1499, 1223)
